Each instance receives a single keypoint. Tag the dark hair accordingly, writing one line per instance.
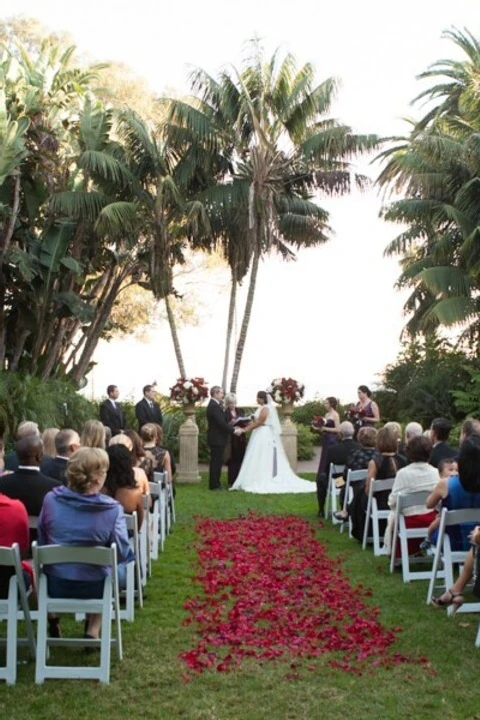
(365, 389)
(137, 449)
(469, 464)
(262, 395)
(110, 389)
(120, 472)
(419, 449)
(441, 427)
(147, 388)
(29, 448)
(333, 402)
(470, 426)
(443, 463)
(367, 436)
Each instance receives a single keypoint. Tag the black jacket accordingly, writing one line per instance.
(218, 427)
(113, 417)
(146, 414)
(54, 467)
(28, 486)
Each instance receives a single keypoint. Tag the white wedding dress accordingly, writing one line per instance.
(265, 468)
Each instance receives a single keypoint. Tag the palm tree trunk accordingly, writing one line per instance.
(175, 340)
(231, 316)
(245, 321)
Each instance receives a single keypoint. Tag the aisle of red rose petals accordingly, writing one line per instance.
(270, 591)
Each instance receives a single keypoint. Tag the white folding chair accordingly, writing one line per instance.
(353, 477)
(146, 537)
(12, 609)
(106, 605)
(134, 587)
(404, 534)
(333, 492)
(155, 492)
(171, 505)
(450, 558)
(160, 479)
(373, 514)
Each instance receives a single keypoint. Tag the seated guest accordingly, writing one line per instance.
(28, 484)
(140, 476)
(158, 454)
(439, 433)
(412, 429)
(93, 435)
(417, 475)
(66, 443)
(161, 446)
(24, 430)
(446, 469)
(120, 482)
(358, 460)
(48, 439)
(13, 529)
(81, 515)
(337, 454)
(139, 457)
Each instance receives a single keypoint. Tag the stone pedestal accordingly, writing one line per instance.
(289, 434)
(188, 438)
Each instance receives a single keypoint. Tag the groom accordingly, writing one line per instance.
(217, 436)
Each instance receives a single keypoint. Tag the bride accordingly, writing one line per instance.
(265, 468)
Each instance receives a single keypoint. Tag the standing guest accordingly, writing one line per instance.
(24, 430)
(330, 431)
(337, 454)
(439, 433)
(93, 435)
(66, 443)
(28, 484)
(368, 409)
(147, 410)
(237, 444)
(48, 439)
(218, 433)
(111, 412)
(81, 515)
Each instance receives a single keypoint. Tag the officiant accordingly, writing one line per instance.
(236, 446)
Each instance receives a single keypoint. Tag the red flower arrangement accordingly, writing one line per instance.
(270, 592)
(189, 390)
(354, 414)
(286, 390)
(318, 422)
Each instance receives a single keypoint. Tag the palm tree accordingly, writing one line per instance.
(261, 131)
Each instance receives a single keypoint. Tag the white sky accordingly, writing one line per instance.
(336, 318)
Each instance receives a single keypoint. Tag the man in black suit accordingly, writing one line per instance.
(217, 436)
(28, 484)
(111, 412)
(24, 429)
(66, 442)
(147, 410)
(439, 432)
(336, 454)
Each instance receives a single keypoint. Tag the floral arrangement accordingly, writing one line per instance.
(318, 422)
(286, 390)
(189, 390)
(354, 414)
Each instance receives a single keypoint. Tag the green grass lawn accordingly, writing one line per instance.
(149, 682)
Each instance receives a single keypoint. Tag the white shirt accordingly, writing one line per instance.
(413, 477)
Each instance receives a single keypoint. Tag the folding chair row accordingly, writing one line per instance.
(332, 504)
(354, 477)
(374, 514)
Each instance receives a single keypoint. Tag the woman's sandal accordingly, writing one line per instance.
(450, 597)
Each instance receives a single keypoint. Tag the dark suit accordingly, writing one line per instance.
(336, 454)
(217, 437)
(147, 414)
(112, 415)
(54, 467)
(442, 451)
(237, 446)
(29, 486)
(11, 460)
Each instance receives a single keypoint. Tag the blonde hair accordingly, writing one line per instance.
(148, 432)
(48, 437)
(93, 435)
(84, 464)
(122, 439)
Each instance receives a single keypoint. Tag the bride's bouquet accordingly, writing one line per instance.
(286, 390)
(189, 390)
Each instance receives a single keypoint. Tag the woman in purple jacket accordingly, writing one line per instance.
(79, 515)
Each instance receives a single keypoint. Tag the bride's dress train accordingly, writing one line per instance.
(265, 468)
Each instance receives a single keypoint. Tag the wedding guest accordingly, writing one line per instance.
(337, 454)
(66, 443)
(48, 439)
(120, 481)
(413, 429)
(157, 454)
(237, 444)
(147, 410)
(93, 434)
(139, 457)
(13, 529)
(439, 434)
(111, 412)
(162, 446)
(140, 477)
(81, 515)
(358, 459)
(25, 429)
